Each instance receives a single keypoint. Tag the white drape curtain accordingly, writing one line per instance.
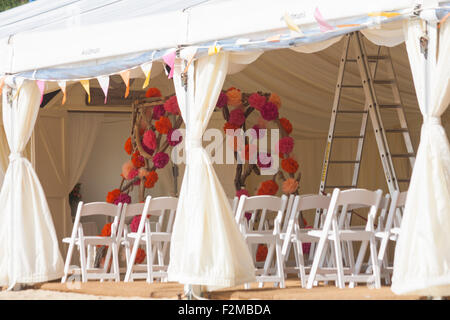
(83, 130)
(207, 247)
(422, 255)
(4, 152)
(29, 251)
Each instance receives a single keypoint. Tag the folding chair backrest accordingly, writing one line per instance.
(398, 201)
(159, 206)
(383, 207)
(128, 212)
(288, 214)
(361, 197)
(264, 203)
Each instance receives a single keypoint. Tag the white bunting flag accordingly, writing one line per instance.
(62, 85)
(104, 84)
(147, 69)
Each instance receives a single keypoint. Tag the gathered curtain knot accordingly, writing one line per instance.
(15, 156)
(431, 120)
(194, 143)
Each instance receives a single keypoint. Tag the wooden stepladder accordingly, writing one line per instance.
(367, 66)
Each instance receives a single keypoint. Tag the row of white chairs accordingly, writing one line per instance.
(331, 255)
(155, 235)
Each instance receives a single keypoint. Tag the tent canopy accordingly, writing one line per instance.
(72, 34)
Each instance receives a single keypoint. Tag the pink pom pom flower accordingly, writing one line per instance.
(222, 101)
(242, 192)
(123, 198)
(149, 140)
(160, 160)
(171, 105)
(158, 111)
(269, 111)
(237, 117)
(257, 101)
(286, 145)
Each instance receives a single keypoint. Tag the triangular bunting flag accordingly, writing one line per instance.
(126, 78)
(214, 49)
(62, 85)
(324, 26)
(19, 82)
(2, 83)
(275, 38)
(104, 84)
(291, 24)
(147, 69)
(85, 84)
(41, 86)
(169, 59)
(188, 54)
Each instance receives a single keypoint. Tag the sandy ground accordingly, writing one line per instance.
(94, 290)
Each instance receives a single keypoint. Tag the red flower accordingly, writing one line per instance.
(289, 165)
(140, 256)
(106, 231)
(261, 253)
(237, 117)
(153, 92)
(230, 126)
(137, 159)
(286, 145)
(163, 125)
(171, 105)
(128, 146)
(150, 179)
(268, 187)
(286, 124)
(257, 101)
(112, 195)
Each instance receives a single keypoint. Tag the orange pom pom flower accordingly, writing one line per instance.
(289, 165)
(163, 125)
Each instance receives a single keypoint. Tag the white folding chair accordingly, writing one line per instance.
(81, 241)
(270, 237)
(297, 235)
(390, 231)
(160, 207)
(332, 232)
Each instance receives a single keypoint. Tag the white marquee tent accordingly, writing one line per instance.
(69, 41)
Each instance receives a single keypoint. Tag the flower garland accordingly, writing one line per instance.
(236, 108)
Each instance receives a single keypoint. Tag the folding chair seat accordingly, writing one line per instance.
(81, 241)
(332, 232)
(262, 234)
(156, 239)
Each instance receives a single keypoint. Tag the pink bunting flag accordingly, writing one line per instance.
(324, 26)
(169, 59)
(41, 86)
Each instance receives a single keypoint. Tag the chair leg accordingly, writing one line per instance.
(132, 260)
(150, 258)
(317, 257)
(68, 260)
(115, 257)
(339, 265)
(107, 261)
(301, 263)
(280, 265)
(359, 260)
(269, 258)
(375, 265)
(83, 262)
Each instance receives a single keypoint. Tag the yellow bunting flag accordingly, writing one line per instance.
(85, 84)
(214, 49)
(126, 78)
(147, 69)
(62, 85)
(291, 24)
(383, 14)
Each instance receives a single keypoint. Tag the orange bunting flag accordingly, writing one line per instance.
(62, 85)
(104, 84)
(2, 83)
(126, 78)
(147, 69)
(85, 84)
(275, 38)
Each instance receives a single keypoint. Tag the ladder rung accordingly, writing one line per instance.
(344, 161)
(348, 137)
(351, 60)
(383, 81)
(389, 106)
(340, 187)
(404, 180)
(396, 130)
(351, 86)
(402, 155)
(351, 111)
(377, 57)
